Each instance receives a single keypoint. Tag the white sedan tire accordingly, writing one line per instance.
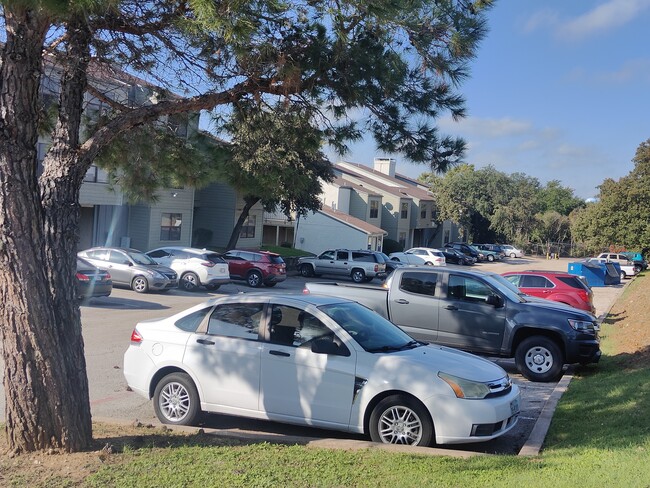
(176, 400)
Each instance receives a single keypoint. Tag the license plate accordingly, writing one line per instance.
(514, 406)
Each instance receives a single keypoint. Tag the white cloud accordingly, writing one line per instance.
(606, 16)
(477, 127)
(541, 19)
(631, 71)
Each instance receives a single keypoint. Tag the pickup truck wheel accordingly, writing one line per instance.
(490, 257)
(399, 419)
(623, 275)
(306, 271)
(358, 275)
(538, 358)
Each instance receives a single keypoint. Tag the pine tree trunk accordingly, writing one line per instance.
(234, 236)
(45, 381)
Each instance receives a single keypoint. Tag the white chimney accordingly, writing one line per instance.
(385, 166)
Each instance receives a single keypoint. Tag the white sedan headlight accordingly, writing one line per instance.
(472, 390)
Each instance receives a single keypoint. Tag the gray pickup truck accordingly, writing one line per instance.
(361, 266)
(481, 313)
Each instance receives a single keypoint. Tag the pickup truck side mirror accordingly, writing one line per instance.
(495, 300)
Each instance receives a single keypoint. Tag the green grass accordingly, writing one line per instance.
(600, 437)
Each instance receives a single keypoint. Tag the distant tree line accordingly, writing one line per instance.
(492, 206)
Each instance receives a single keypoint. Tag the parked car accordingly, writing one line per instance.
(555, 286)
(391, 265)
(625, 270)
(361, 265)
(487, 253)
(317, 361)
(91, 281)
(132, 268)
(637, 258)
(465, 249)
(195, 267)
(407, 259)
(454, 256)
(512, 251)
(497, 248)
(620, 258)
(257, 268)
(481, 313)
(431, 256)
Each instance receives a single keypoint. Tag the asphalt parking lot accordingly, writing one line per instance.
(108, 323)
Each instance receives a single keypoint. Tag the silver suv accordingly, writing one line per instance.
(132, 268)
(359, 265)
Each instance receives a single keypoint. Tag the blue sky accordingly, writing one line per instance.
(560, 90)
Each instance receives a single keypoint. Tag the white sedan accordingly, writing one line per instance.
(318, 361)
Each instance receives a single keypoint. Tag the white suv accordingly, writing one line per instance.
(195, 267)
(432, 257)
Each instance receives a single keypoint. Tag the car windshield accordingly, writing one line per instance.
(506, 287)
(370, 330)
(141, 258)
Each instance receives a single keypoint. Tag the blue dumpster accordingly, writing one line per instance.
(597, 274)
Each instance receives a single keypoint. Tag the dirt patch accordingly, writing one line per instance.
(630, 332)
(55, 469)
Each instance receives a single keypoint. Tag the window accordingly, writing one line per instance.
(327, 255)
(532, 281)
(446, 237)
(248, 229)
(191, 322)
(236, 320)
(404, 210)
(170, 227)
(342, 255)
(159, 253)
(291, 326)
(467, 289)
(363, 257)
(423, 211)
(402, 239)
(374, 209)
(419, 283)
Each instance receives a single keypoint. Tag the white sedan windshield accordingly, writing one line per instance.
(371, 331)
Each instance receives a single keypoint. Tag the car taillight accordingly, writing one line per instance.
(305, 291)
(135, 336)
(82, 277)
(108, 275)
(207, 264)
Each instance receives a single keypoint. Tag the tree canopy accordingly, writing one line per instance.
(493, 206)
(381, 67)
(618, 219)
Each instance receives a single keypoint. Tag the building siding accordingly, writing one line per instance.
(318, 232)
